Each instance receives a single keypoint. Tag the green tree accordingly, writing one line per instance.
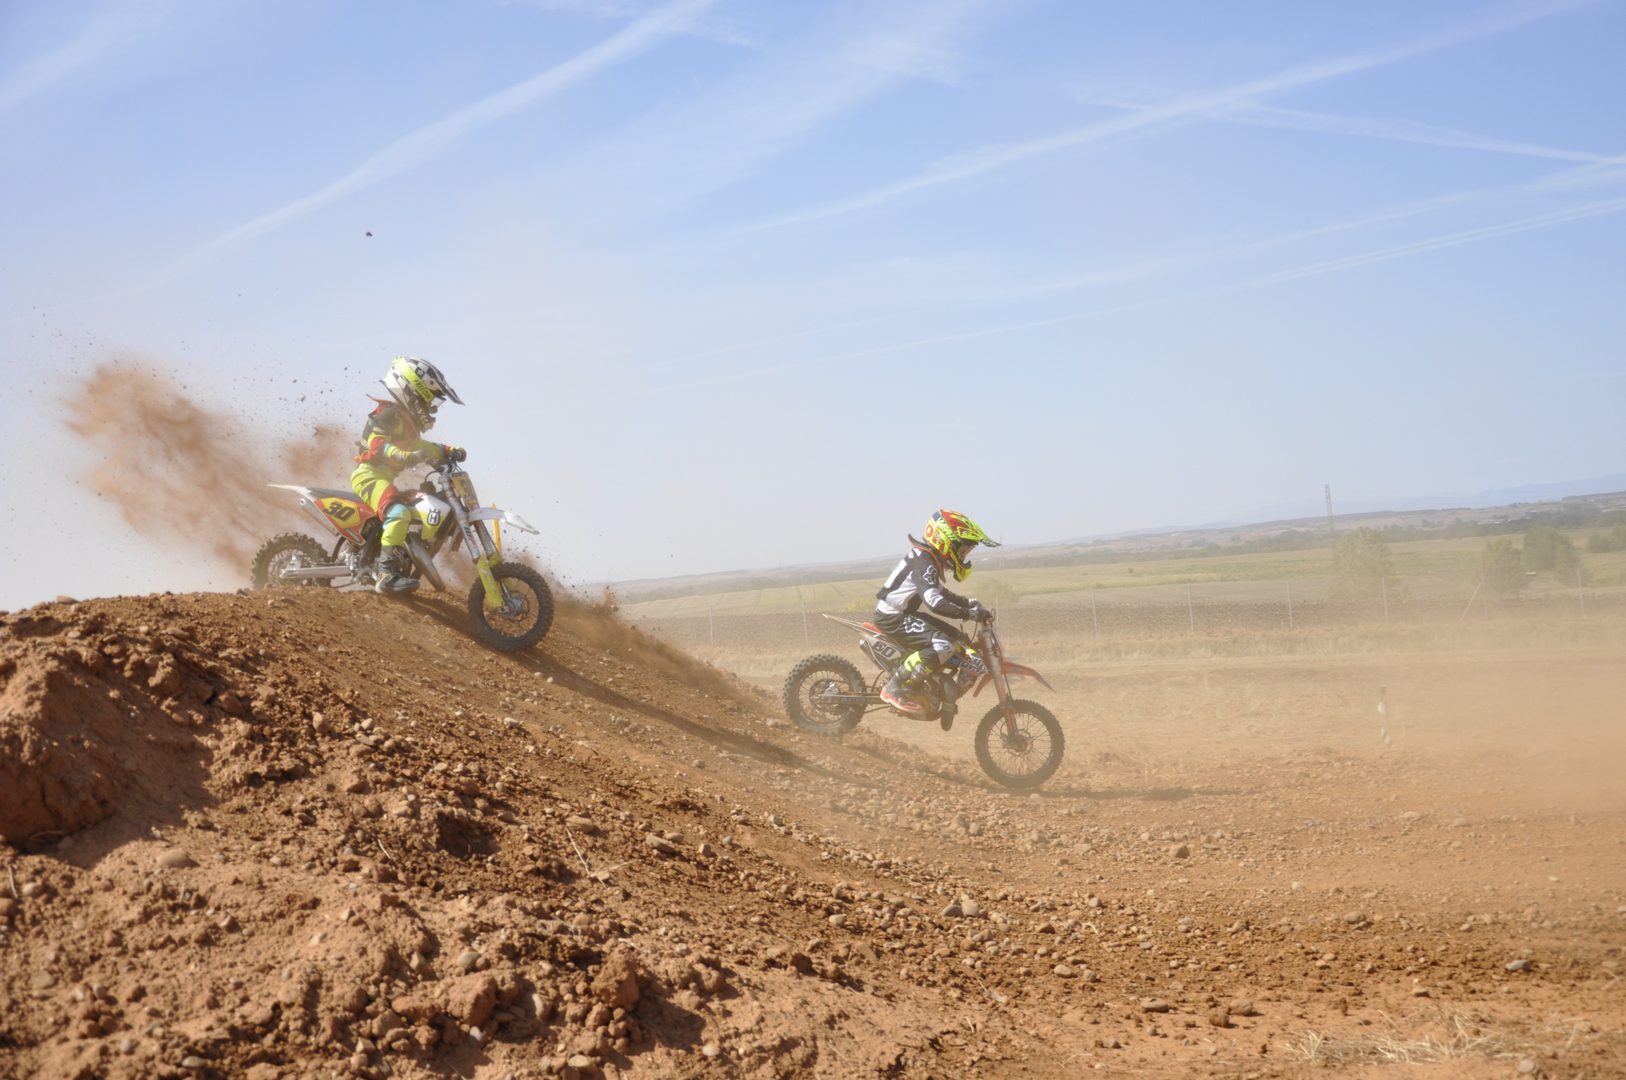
(1360, 565)
(1545, 548)
(1501, 566)
(1613, 540)
(1600, 542)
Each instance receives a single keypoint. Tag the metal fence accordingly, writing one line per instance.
(1195, 609)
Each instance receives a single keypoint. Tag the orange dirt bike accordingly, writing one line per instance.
(510, 604)
(1019, 743)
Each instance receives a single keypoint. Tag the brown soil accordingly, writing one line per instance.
(306, 833)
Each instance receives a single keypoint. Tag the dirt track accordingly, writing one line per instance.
(313, 834)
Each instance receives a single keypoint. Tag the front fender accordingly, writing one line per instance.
(1011, 667)
(507, 517)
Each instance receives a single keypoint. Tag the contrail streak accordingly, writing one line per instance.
(1449, 240)
(1406, 131)
(55, 66)
(996, 156)
(1602, 169)
(1327, 266)
(434, 139)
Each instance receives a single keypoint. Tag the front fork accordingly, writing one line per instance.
(995, 658)
(488, 554)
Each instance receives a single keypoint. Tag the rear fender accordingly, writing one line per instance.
(310, 502)
(876, 644)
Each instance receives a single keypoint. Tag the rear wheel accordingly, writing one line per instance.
(288, 551)
(1024, 754)
(808, 687)
(527, 609)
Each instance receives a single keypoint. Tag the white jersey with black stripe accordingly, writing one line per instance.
(914, 582)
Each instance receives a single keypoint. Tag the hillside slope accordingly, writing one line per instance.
(308, 834)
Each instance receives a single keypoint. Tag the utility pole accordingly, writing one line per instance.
(1331, 530)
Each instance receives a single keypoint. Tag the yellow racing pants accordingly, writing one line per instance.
(377, 489)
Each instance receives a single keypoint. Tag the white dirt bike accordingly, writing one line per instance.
(510, 604)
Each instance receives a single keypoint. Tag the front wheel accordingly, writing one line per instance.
(1023, 754)
(287, 551)
(809, 687)
(526, 612)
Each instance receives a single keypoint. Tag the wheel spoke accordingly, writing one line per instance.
(815, 693)
(1020, 744)
(519, 610)
(1028, 746)
(824, 695)
(524, 615)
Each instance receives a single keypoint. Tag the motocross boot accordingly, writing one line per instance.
(902, 688)
(393, 564)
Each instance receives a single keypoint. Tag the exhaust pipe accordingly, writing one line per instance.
(426, 564)
(313, 573)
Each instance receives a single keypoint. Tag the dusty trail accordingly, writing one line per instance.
(162, 458)
(306, 834)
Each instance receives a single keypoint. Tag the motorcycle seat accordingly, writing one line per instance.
(337, 493)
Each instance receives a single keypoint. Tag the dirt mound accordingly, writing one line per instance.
(306, 833)
(598, 627)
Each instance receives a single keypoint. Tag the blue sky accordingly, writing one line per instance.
(738, 284)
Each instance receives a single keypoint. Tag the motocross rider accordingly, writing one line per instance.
(392, 441)
(918, 581)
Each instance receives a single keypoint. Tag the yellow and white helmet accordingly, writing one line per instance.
(418, 387)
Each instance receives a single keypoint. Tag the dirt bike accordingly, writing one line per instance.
(1019, 743)
(510, 604)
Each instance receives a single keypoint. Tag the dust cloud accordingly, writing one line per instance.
(193, 477)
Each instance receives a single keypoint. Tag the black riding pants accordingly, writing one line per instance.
(931, 636)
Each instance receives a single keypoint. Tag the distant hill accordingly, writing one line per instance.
(1601, 494)
(1511, 496)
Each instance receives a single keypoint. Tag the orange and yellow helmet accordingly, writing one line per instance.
(952, 535)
